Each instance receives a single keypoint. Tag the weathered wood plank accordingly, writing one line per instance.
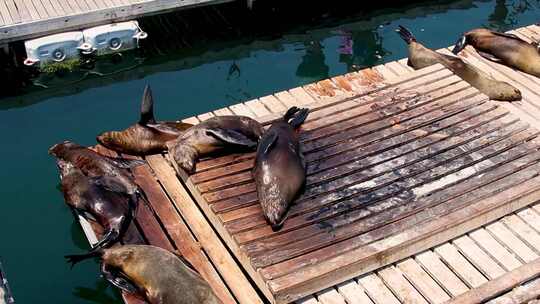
(501, 284)
(460, 266)
(404, 291)
(353, 293)
(224, 263)
(478, 257)
(441, 273)
(512, 242)
(422, 281)
(376, 289)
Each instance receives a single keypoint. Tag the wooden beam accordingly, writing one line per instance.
(502, 284)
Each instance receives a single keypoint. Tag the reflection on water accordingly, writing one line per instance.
(192, 69)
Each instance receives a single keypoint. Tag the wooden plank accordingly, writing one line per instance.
(6, 16)
(286, 98)
(223, 111)
(376, 289)
(500, 285)
(179, 232)
(241, 109)
(64, 4)
(257, 107)
(531, 217)
(511, 242)
(273, 104)
(495, 249)
(353, 293)
(225, 264)
(525, 232)
(330, 296)
(422, 281)
(478, 257)
(397, 68)
(12, 8)
(441, 273)
(404, 291)
(23, 11)
(111, 13)
(460, 266)
(526, 293)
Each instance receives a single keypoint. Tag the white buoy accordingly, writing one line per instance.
(112, 38)
(53, 48)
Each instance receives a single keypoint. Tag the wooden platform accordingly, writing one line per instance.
(24, 19)
(419, 190)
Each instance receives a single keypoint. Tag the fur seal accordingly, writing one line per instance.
(213, 135)
(421, 57)
(160, 275)
(147, 136)
(114, 211)
(280, 168)
(93, 164)
(504, 48)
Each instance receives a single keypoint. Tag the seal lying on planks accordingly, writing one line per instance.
(113, 210)
(213, 135)
(421, 57)
(159, 275)
(93, 164)
(147, 136)
(504, 48)
(280, 168)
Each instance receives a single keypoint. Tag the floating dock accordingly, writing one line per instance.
(24, 19)
(419, 190)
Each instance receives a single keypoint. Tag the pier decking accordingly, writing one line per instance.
(419, 190)
(23, 19)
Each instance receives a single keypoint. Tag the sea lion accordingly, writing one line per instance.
(160, 275)
(504, 48)
(213, 135)
(280, 168)
(147, 136)
(421, 57)
(93, 164)
(113, 210)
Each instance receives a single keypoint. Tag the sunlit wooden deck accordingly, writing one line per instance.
(420, 190)
(23, 19)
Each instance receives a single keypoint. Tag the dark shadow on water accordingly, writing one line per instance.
(102, 293)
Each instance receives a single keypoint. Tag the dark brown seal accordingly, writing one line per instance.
(93, 164)
(213, 135)
(113, 210)
(504, 48)
(421, 57)
(147, 136)
(280, 168)
(157, 274)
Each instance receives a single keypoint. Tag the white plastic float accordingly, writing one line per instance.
(101, 40)
(112, 38)
(53, 48)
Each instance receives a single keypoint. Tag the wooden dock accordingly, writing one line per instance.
(24, 19)
(419, 190)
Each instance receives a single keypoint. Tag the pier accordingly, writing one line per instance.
(419, 190)
(25, 19)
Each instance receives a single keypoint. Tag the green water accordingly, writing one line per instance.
(36, 229)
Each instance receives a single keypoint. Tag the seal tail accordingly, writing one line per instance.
(299, 118)
(77, 258)
(147, 107)
(405, 34)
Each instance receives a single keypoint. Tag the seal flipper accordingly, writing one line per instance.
(488, 56)
(232, 137)
(461, 43)
(405, 34)
(147, 107)
(84, 214)
(126, 163)
(299, 118)
(118, 279)
(268, 141)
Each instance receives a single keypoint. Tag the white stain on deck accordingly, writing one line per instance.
(440, 183)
